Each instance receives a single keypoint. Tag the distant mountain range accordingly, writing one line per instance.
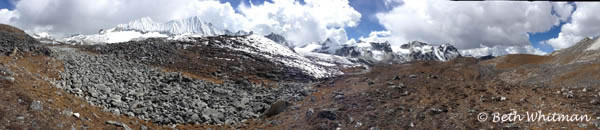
(372, 52)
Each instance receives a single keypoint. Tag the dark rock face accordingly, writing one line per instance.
(486, 57)
(15, 40)
(279, 39)
(413, 44)
(327, 114)
(381, 46)
(348, 51)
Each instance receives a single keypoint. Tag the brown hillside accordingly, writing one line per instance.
(514, 60)
(8, 28)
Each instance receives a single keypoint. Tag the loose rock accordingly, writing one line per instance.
(36, 106)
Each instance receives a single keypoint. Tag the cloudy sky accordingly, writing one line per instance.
(497, 27)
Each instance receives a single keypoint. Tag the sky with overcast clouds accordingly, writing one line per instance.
(507, 27)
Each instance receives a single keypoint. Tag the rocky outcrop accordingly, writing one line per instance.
(279, 39)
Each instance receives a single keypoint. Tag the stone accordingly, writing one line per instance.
(276, 108)
(399, 86)
(327, 114)
(358, 124)
(118, 124)
(434, 77)
(502, 98)
(370, 83)
(213, 114)
(438, 110)
(390, 83)
(338, 97)
(36, 106)
(405, 93)
(195, 118)
(595, 102)
(76, 115)
(374, 128)
(396, 77)
(5, 72)
(412, 76)
(309, 113)
(7, 78)
(67, 112)
(370, 107)
(115, 111)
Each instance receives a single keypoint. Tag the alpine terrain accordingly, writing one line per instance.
(189, 74)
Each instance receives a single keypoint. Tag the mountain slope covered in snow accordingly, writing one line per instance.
(192, 25)
(373, 52)
(147, 28)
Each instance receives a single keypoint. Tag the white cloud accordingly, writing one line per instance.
(584, 23)
(468, 24)
(377, 36)
(563, 10)
(75, 16)
(6, 16)
(391, 3)
(314, 21)
(501, 50)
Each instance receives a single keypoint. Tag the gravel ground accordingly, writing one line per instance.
(134, 89)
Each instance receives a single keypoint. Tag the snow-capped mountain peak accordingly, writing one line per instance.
(422, 51)
(192, 25)
(446, 52)
(145, 27)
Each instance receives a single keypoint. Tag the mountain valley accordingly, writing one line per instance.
(187, 74)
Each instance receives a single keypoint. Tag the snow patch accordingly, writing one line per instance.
(111, 37)
(594, 46)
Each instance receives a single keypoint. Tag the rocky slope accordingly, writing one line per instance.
(433, 95)
(137, 90)
(573, 67)
(585, 51)
(13, 40)
(232, 56)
